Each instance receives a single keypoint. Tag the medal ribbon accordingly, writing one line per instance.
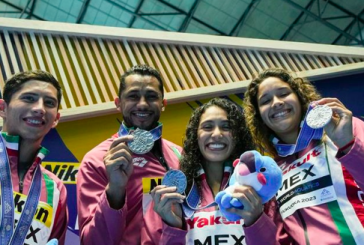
(156, 132)
(190, 205)
(7, 203)
(303, 140)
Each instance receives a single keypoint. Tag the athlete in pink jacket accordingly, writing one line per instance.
(215, 136)
(29, 109)
(321, 198)
(113, 183)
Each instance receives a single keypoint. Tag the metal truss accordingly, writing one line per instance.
(239, 24)
(26, 10)
(317, 16)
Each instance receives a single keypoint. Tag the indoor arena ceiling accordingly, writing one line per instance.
(315, 21)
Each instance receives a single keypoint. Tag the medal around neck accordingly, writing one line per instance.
(142, 143)
(175, 178)
(319, 116)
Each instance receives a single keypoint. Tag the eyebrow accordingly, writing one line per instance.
(278, 89)
(36, 94)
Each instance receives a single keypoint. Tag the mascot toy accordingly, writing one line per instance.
(260, 172)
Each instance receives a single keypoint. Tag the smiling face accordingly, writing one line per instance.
(214, 135)
(279, 108)
(32, 111)
(140, 102)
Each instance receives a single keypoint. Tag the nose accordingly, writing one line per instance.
(142, 102)
(277, 102)
(38, 107)
(216, 133)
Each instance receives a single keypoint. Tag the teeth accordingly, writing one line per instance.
(33, 121)
(216, 146)
(280, 114)
(141, 114)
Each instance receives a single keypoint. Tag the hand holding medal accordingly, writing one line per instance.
(175, 178)
(142, 143)
(319, 116)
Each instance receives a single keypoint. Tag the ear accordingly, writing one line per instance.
(117, 103)
(3, 108)
(164, 104)
(56, 120)
(236, 162)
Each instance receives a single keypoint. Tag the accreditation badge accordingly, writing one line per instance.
(41, 226)
(214, 228)
(306, 182)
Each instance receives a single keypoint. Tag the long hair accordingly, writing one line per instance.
(261, 134)
(191, 161)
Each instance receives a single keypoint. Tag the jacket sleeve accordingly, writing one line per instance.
(59, 229)
(263, 231)
(156, 232)
(353, 161)
(99, 223)
(269, 228)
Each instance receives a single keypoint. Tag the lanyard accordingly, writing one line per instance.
(190, 205)
(156, 132)
(7, 203)
(303, 140)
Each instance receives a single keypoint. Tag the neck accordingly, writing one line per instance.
(289, 138)
(214, 173)
(27, 153)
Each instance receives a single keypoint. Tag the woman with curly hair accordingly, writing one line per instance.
(215, 136)
(321, 199)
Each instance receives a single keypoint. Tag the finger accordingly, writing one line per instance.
(120, 140)
(158, 191)
(119, 163)
(247, 196)
(123, 152)
(327, 100)
(170, 198)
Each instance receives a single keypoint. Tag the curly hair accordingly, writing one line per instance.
(261, 134)
(191, 161)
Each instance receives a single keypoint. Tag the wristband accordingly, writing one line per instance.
(343, 148)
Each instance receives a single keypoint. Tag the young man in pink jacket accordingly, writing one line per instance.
(113, 183)
(33, 209)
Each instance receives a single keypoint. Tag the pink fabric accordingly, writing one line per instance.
(61, 220)
(320, 225)
(100, 224)
(157, 232)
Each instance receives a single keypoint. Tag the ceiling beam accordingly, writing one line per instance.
(82, 12)
(20, 9)
(189, 16)
(349, 28)
(193, 18)
(240, 22)
(136, 12)
(324, 22)
(137, 15)
(347, 11)
(295, 22)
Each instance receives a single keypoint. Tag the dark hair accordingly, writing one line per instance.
(15, 83)
(192, 159)
(261, 134)
(143, 70)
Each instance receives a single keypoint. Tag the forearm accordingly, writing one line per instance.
(353, 160)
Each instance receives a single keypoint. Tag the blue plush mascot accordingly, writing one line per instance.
(260, 172)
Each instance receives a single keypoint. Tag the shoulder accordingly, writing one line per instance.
(171, 145)
(98, 152)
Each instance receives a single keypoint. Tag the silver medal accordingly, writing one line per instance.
(142, 143)
(175, 178)
(319, 116)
